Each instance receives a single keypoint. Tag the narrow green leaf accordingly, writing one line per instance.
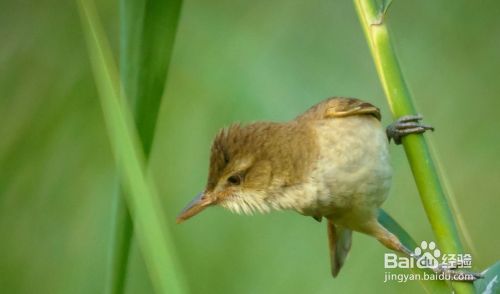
(143, 201)
(490, 283)
(147, 34)
(394, 227)
(390, 224)
(161, 18)
(385, 6)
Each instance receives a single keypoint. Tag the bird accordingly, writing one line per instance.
(331, 162)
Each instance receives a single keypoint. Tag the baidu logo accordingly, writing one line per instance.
(427, 255)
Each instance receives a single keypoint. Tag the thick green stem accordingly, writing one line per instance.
(147, 34)
(424, 171)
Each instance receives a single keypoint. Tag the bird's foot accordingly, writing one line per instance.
(448, 271)
(405, 125)
(452, 274)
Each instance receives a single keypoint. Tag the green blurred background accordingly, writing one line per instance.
(234, 61)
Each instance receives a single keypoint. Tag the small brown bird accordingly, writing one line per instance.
(330, 162)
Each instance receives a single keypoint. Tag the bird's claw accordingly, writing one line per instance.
(451, 271)
(455, 275)
(405, 125)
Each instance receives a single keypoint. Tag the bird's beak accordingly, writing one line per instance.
(200, 202)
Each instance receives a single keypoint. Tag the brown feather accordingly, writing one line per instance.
(339, 241)
(262, 153)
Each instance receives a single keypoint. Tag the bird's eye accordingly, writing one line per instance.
(234, 179)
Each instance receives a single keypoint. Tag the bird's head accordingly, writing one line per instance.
(240, 174)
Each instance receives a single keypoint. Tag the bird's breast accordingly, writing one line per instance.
(352, 170)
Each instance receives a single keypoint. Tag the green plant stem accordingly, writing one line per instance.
(424, 171)
(119, 250)
(142, 200)
(131, 25)
(147, 34)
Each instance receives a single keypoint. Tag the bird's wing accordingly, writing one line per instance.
(339, 240)
(340, 107)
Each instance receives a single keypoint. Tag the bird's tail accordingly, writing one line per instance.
(339, 239)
